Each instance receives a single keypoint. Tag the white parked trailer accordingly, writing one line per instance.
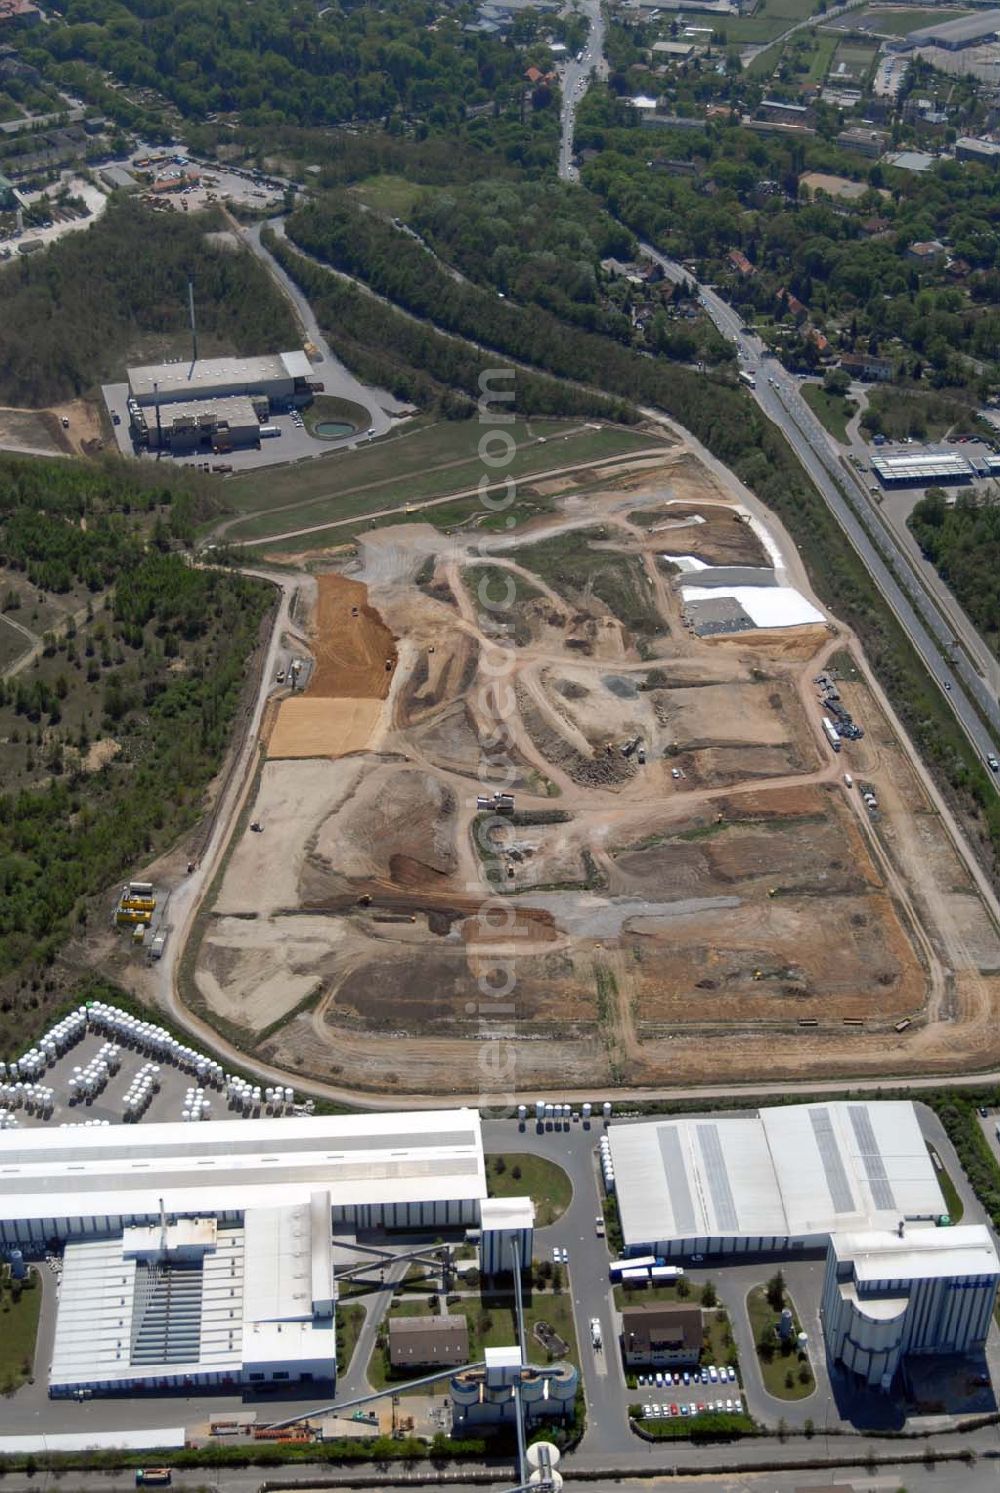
(832, 734)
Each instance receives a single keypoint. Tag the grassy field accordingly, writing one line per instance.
(857, 62)
(832, 410)
(427, 462)
(394, 195)
(326, 407)
(515, 1175)
(447, 517)
(783, 1365)
(767, 23)
(18, 1331)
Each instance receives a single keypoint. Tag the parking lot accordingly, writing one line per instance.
(293, 444)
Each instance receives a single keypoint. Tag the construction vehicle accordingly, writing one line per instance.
(297, 1433)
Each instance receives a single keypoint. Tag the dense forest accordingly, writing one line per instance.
(400, 268)
(288, 61)
(538, 242)
(69, 317)
(416, 363)
(150, 675)
(963, 541)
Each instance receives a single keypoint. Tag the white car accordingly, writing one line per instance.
(731, 1375)
(713, 1374)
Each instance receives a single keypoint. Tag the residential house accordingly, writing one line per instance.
(927, 253)
(868, 367)
(740, 263)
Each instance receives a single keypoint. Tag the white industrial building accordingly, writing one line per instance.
(190, 1304)
(278, 377)
(913, 1291)
(419, 1170)
(783, 1179)
(507, 1234)
(202, 1255)
(921, 469)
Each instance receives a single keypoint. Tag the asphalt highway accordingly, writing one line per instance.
(574, 84)
(778, 396)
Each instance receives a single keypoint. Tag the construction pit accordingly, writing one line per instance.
(684, 861)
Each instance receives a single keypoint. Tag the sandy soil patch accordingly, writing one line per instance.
(30, 430)
(263, 873)
(254, 972)
(351, 644)
(84, 432)
(316, 727)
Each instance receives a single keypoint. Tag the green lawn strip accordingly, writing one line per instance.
(20, 1308)
(715, 1427)
(328, 407)
(766, 25)
(517, 1175)
(327, 492)
(832, 410)
(349, 1322)
(953, 1202)
(819, 63)
(448, 518)
(394, 195)
(783, 1363)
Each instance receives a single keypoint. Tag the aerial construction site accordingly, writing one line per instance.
(591, 751)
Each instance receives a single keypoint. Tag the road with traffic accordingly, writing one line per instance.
(575, 77)
(777, 394)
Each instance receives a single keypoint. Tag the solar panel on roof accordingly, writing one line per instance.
(878, 1179)
(675, 1172)
(718, 1177)
(833, 1162)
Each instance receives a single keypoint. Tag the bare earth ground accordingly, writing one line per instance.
(731, 886)
(355, 659)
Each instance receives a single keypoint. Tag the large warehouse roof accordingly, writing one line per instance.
(232, 1165)
(921, 467)
(962, 29)
(798, 1172)
(208, 374)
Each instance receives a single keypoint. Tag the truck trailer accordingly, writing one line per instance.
(832, 734)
